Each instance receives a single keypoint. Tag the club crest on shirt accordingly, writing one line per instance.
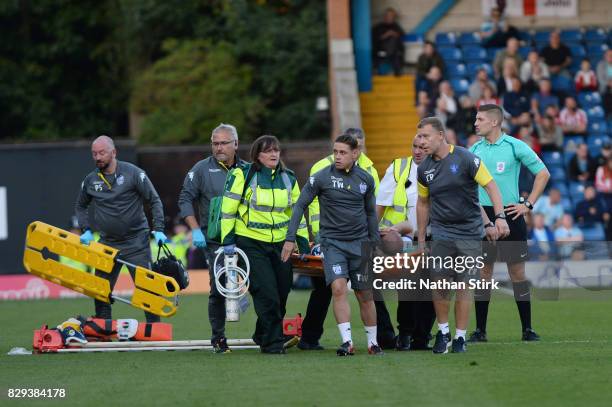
(120, 180)
(363, 187)
(190, 175)
(454, 168)
(501, 165)
(142, 176)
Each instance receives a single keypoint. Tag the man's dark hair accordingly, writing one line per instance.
(347, 139)
(264, 143)
(493, 109)
(433, 122)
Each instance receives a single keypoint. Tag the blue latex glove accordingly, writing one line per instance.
(197, 237)
(229, 250)
(160, 238)
(87, 237)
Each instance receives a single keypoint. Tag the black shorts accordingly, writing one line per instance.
(513, 248)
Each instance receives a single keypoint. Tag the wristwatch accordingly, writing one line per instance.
(528, 204)
(489, 225)
(500, 216)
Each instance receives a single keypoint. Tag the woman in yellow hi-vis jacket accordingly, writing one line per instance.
(255, 212)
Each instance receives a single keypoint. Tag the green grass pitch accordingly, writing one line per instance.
(572, 365)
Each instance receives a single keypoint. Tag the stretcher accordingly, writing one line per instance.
(43, 240)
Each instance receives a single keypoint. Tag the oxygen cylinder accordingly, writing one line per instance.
(232, 306)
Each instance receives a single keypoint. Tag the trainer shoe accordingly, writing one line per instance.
(478, 336)
(443, 342)
(346, 349)
(290, 341)
(402, 343)
(375, 350)
(220, 346)
(529, 335)
(459, 346)
(303, 345)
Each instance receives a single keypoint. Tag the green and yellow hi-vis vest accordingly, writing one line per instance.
(313, 209)
(398, 212)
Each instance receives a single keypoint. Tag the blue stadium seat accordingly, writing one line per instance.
(541, 36)
(574, 66)
(450, 53)
(596, 50)
(595, 35)
(468, 38)
(595, 113)
(474, 53)
(570, 143)
(576, 190)
(593, 233)
(413, 37)
(445, 39)
(591, 99)
(524, 52)
(596, 142)
(491, 52)
(460, 86)
(594, 60)
(561, 83)
(473, 67)
(561, 186)
(525, 36)
(578, 51)
(456, 70)
(568, 207)
(552, 158)
(597, 127)
(557, 174)
(571, 35)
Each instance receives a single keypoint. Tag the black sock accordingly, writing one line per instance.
(522, 296)
(481, 302)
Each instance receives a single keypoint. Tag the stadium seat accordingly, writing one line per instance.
(552, 158)
(474, 53)
(473, 67)
(450, 53)
(574, 66)
(595, 113)
(468, 38)
(460, 86)
(596, 50)
(456, 70)
(595, 35)
(524, 51)
(567, 205)
(557, 174)
(571, 35)
(597, 127)
(593, 233)
(578, 51)
(595, 142)
(576, 190)
(491, 52)
(525, 36)
(561, 83)
(561, 186)
(445, 39)
(570, 143)
(587, 100)
(541, 37)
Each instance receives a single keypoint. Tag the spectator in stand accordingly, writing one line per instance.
(573, 120)
(471, 140)
(550, 207)
(387, 42)
(424, 108)
(550, 135)
(451, 137)
(556, 55)
(585, 78)
(544, 98)
(509, 72)
(432, 83)
(603, 182)
(525, 132)
(582, 166)
(495, 31)
(511, 51)
(604, 71)
(428, 58)
(533, 71)
(481, 81)
(515, 101)
(606, 152)
(569, 238)
(463, 121)
(446, 104)
(488, 97)
(553, 111)
(541, 240)
(607, 99)
(592, 209)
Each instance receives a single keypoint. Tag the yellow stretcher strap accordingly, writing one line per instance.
(43, 239)
(58, 241)
(66, 276)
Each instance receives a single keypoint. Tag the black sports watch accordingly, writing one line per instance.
(525, 202)
(489, 225)
(500, 216)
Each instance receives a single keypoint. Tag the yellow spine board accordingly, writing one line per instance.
(66, 276)
(155, 282)
(153, 303)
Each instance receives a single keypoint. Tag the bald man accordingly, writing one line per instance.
(118, 190)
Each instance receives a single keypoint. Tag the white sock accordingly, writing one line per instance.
(460, 333)
(345, 332)
(371, 334)
(444, 328)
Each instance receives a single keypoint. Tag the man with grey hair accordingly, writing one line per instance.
(205, 181)
(118, 190)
